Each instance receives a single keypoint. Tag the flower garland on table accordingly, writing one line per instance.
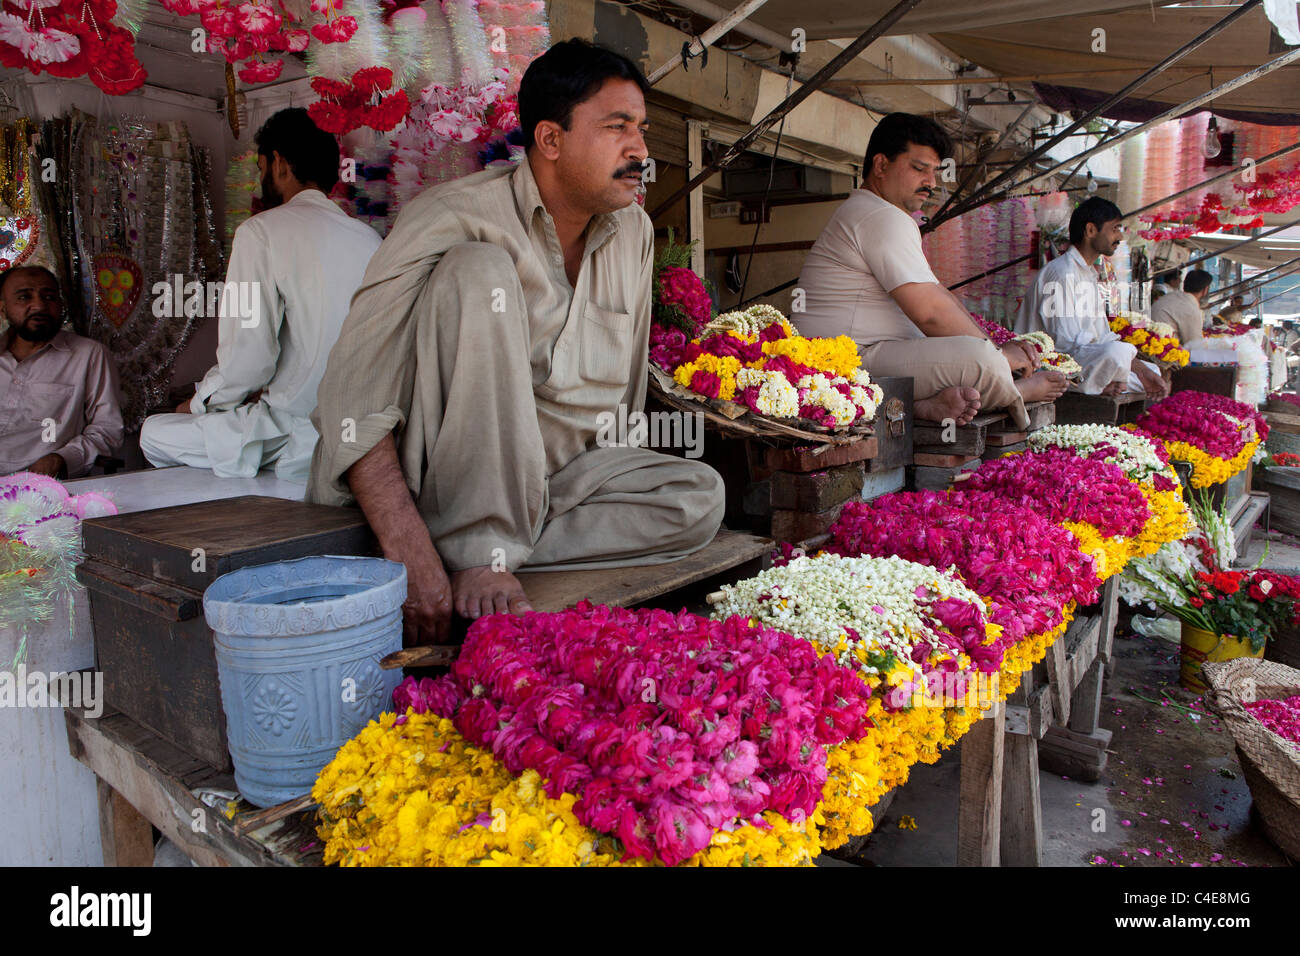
(668, 729)
(1283, 459)
(893, 620)
(40, 547)
(1161, 348)
(756, 359)
(1094, 500)
(1216, 434)
(1139, 456)
(1291, 398)
(1028, 568)
(411, 791)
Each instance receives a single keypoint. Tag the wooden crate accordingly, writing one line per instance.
(146, 573)
(1076, 408)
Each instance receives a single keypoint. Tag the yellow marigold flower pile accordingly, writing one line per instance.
(838, 355)
(1209, 469)
(419, 794)
(1164, 348)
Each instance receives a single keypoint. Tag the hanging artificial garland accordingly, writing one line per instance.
(344, 107)
(71, 38)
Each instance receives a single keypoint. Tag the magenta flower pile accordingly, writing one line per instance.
(668, 727)
(1208, 422)
(1030, 568)
(1062, 486)
(1280, 716)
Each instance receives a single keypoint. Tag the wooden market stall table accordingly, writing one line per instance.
(145, 779)
(51, 814)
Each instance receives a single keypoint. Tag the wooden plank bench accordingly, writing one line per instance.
(1076, 408)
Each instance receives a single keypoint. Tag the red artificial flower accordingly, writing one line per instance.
(371, 79)
(337, 31)
(261, 72)
(1195, 602)
(333, 118)
(390, 111)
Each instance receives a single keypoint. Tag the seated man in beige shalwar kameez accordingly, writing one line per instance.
(504, 312)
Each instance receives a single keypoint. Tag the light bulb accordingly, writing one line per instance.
(1212, 147)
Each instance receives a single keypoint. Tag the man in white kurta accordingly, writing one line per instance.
(293, 270)
(1067, 301)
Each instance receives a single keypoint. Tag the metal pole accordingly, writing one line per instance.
(708, 39)
(1211, 181)
(1249, 77)
(975, 167)
(1220, 294)
(1005, 265)
(1278, 295)
(1123, 94)
(1245, 242)
(1226, 293)
(846, 55)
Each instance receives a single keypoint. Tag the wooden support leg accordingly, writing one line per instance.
(126, 835)
(1022, 814)
(979, 814)
(1109, 616)
(1085, 704)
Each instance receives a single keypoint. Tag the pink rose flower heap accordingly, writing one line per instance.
(1028, 568)
(667, 727)
(1062, 486)
(1216, 434)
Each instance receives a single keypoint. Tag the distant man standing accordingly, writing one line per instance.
(1067, 302)
(1182, 310)
(298, 262)
(58, 390)
(867, 277)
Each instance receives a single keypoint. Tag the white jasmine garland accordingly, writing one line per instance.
(819, 598)
(1134, 454)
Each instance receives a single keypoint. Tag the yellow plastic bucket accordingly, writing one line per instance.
(1200, 646)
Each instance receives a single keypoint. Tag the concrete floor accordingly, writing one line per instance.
(1172, 794)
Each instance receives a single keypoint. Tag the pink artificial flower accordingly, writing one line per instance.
(257, 19)
(336, 31)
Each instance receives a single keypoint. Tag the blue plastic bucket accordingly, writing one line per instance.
(298, 646)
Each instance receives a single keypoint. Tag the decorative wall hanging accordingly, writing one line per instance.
(142, 215)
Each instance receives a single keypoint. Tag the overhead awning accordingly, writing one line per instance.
(1268, 252)
(836, 19)
(1058, 54)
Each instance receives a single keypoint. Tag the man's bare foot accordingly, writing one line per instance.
(956, 403)
(1046, 385)
(479, 591)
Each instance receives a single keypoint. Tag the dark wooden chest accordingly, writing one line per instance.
(146, 573)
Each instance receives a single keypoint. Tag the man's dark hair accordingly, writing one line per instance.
(1093, 210)
(897, 131)
(4, 276)
(1198, 280)
(1169, 278)
(569, 73)
(312, 153)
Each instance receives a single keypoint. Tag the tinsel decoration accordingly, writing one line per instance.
(40, 548)
(469, 41)
(368, 46)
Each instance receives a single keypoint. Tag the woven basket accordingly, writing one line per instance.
(1271, 763)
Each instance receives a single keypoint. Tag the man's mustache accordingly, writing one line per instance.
(629, 170)
(40, 315)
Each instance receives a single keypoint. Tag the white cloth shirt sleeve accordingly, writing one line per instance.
(248, 345)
